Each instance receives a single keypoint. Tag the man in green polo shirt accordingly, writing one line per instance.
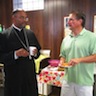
(79, 50)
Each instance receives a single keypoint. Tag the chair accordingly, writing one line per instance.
(42, 60)
(44, 63)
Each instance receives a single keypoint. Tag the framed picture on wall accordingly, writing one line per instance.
(66, 22)
(67, 31)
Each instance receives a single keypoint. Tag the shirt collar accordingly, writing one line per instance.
(81, 33)
(16, 27)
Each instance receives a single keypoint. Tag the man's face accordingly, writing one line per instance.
(20, 19)
(73, 22)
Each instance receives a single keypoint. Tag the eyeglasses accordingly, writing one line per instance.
(24, 18)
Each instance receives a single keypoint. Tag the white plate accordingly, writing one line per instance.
(66, 66)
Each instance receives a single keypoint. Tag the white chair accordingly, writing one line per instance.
(41, 61)
(45, 52)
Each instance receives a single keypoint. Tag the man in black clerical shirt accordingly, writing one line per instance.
(19, 66)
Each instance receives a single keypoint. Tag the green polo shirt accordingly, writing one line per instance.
(78, 46)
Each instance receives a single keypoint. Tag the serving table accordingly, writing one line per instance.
(48, 77)
(51, 76)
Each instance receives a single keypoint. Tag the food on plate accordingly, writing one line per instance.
(65, 65)
(60, 68)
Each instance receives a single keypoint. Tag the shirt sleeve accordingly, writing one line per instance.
(15, 56)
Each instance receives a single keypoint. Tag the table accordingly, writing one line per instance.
(51, 76)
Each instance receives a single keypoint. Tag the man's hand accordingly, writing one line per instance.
(22, 53)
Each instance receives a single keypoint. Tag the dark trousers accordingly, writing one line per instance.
(94, 86)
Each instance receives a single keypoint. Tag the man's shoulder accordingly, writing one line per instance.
(90, 33)
(29, 32)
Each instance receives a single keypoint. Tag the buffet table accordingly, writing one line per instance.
(51, 76)
(48, 77)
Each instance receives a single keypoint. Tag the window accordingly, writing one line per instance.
(29, 5)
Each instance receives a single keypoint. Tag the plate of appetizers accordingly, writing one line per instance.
(65, 65)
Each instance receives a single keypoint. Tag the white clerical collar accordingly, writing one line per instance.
(16, 27)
